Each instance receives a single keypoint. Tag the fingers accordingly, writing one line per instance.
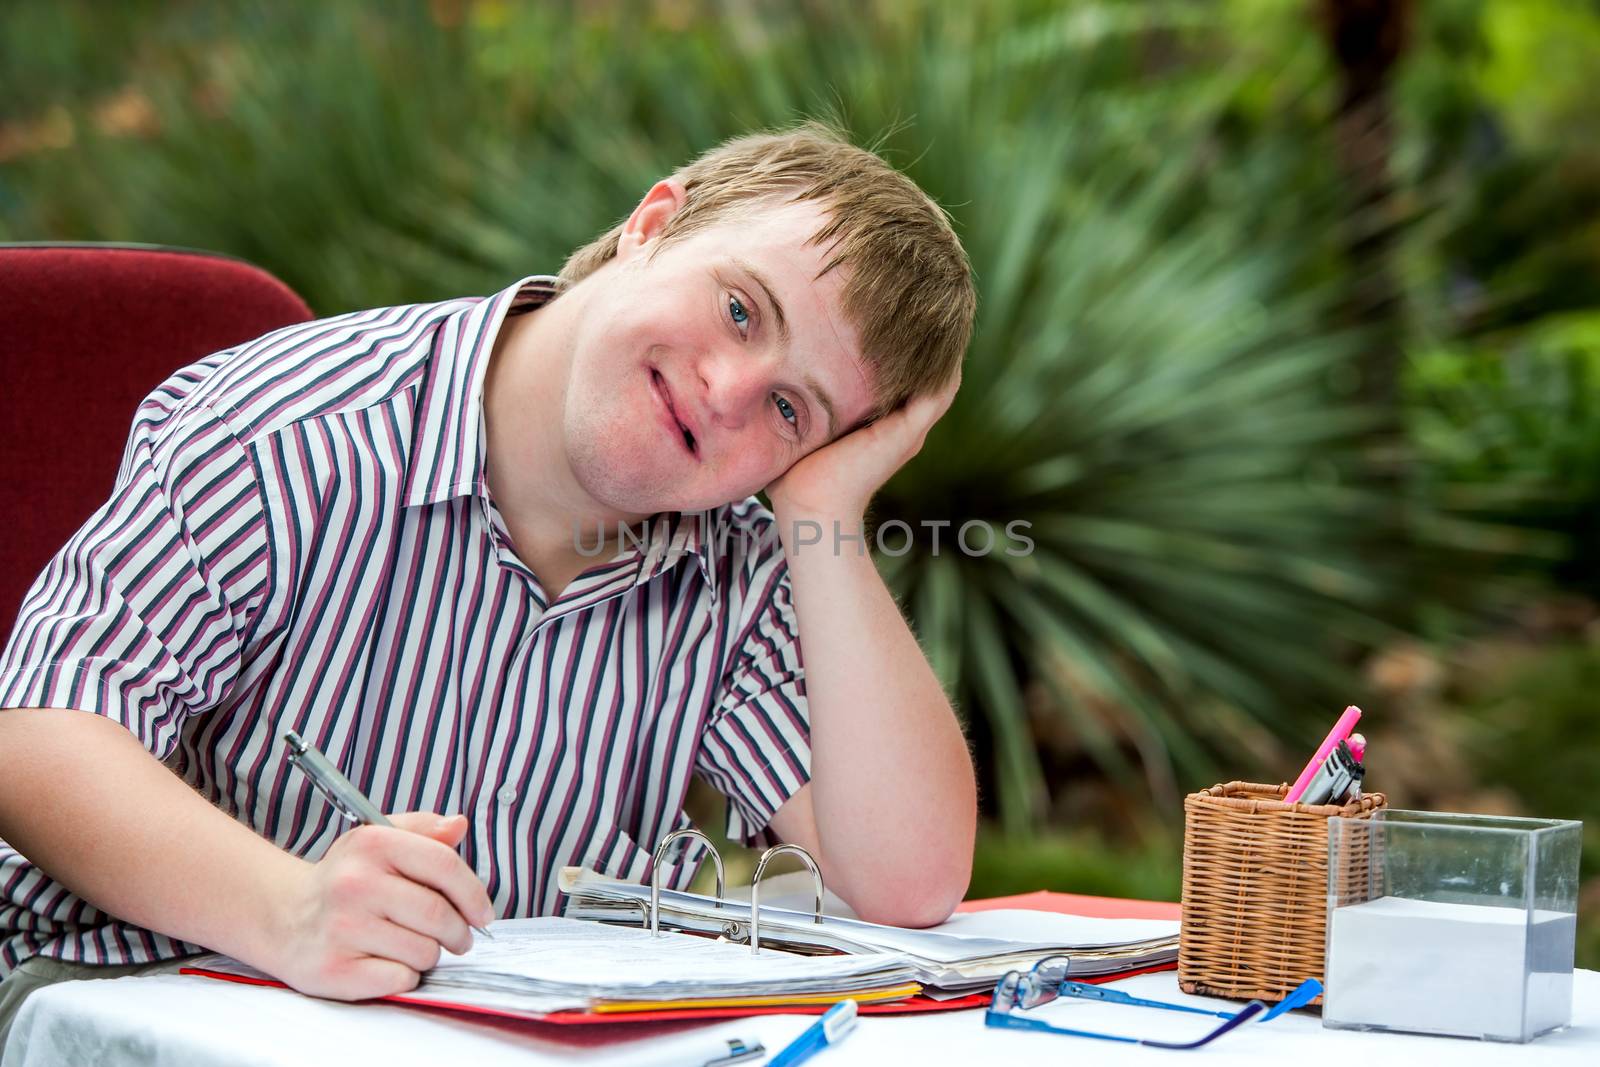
(432, 864)
(383, 939)
(377, 910)
(921, 412)
(369, 976)
(446, 829)
(911, 423)
(423, 912)
(390, 975)
(365, 896)
(946, 395)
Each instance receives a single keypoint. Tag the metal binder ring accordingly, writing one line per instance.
(655, 873)
(755, 890)
(644, 910)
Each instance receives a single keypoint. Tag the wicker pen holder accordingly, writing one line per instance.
(1255, 889)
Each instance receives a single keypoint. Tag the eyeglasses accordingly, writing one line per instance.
(1047, 981)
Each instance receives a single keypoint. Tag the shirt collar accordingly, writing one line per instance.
(450, 438)
(674, 535)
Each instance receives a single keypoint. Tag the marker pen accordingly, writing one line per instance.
(1341, 730)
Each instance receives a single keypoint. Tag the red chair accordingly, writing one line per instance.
(86, 332)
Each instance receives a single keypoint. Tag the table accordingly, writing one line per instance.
(184, 1020)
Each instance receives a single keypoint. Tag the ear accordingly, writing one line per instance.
(659, 204)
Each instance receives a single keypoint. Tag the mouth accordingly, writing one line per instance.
(664, 394)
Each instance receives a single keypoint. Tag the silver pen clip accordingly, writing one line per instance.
(296, 755)
(739, 1051)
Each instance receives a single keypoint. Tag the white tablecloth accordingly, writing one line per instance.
(183, 1020)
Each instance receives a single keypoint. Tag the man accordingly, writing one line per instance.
(381, 531)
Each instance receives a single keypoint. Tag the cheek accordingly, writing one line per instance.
(620, 322)
(758, 463)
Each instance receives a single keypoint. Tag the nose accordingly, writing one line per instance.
(735, 383)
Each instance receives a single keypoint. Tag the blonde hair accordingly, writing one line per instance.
(909, 292)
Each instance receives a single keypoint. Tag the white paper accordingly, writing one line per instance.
(1050, 928)
(970, 938)
(555, 955)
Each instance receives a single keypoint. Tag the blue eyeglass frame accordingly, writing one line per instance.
(1047, 981)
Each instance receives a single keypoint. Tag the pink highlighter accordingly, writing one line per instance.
(1341, 730)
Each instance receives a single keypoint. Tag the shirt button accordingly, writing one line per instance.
(507, 795)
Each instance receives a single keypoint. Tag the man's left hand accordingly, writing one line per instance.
(837, 481)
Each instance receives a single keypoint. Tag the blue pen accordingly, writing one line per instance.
(831, 1029)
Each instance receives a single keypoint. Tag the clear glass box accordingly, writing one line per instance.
(1451, 924)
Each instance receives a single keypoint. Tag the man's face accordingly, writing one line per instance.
(701, 374)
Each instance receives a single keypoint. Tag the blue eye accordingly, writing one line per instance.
(786, 409)
(737, 311)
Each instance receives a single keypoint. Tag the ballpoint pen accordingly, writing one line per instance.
(835, 1023)
(717, 1052)
(338, 790)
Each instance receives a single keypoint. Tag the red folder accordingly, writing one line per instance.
(1078, 904)
(1063, 903)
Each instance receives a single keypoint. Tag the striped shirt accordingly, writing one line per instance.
(301, 536)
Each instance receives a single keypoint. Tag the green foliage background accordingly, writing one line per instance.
(1172, 378)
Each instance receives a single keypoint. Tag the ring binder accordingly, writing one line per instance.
(652, 910)
(755, 890)
(655, 874)
(968, 956)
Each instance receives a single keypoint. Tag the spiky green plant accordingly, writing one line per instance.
(1153, 392)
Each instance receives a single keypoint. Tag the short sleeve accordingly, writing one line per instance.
(142, 616)
(756, 749)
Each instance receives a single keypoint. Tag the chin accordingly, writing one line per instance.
(634, 476)
(613, 478)
(620, 490)
(632, 492)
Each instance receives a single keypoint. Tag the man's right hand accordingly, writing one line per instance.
(369, 917)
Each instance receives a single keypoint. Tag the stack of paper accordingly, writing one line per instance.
(970, 953)
(537, 966)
